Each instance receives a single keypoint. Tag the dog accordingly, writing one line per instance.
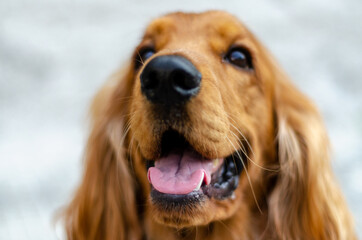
(202, 136)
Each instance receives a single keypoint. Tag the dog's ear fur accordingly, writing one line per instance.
(305, 204)
(105, 204)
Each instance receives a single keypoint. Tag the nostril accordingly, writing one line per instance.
(183, 80)
(151, 81)
(179, 79)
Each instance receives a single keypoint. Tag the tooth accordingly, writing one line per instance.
(200, 183)
(233, 196)
(215, 162)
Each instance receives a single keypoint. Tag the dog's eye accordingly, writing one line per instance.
(143, 55)
(239, 57)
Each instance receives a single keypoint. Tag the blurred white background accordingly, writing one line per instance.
(54, 55)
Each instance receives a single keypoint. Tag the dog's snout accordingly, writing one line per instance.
(170, 79)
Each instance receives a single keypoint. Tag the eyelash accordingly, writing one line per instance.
(140, 58)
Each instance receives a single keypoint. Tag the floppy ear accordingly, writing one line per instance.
(306, 202)
(104, 206)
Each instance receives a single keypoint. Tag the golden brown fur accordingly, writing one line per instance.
(288, 190)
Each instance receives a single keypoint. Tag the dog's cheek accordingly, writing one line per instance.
(209, 122)
(140, 171)
(142, 125)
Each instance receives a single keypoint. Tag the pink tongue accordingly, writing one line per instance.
(180, 173)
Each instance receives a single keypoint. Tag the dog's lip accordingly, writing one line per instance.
(182, 171)
(223, 183)
(226, 180)
(219, 183)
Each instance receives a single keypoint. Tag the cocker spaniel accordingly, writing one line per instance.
(202, 136)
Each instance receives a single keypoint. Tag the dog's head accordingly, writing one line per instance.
(204, 130)
(201, 111)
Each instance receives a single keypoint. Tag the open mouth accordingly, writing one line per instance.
(182, 175)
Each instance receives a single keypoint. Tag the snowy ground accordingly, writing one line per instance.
(55, 54)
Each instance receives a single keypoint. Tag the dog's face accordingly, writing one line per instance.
(204, 137)
(201, 125)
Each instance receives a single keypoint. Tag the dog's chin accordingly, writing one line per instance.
(176, 204)
(180, 211)
(193, 209)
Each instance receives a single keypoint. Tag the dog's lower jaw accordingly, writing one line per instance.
(240, 226)
(200, 225)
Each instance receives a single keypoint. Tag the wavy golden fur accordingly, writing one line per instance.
(287, 191)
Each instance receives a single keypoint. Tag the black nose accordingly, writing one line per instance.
(170, 79)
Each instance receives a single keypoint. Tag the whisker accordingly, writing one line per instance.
(118, 152)
(140, 58)
(196, 233)
(242, 148)
(228, 229)
(130, 148)
(249, 145)
(125, 99)
(247, 175)
(131, 114)
(236, 168)
(215, 150)
(239, 131)
(128, 127)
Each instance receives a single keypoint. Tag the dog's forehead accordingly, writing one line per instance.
(212, 25)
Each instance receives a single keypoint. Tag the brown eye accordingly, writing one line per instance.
(239, 57)
(143, 55)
